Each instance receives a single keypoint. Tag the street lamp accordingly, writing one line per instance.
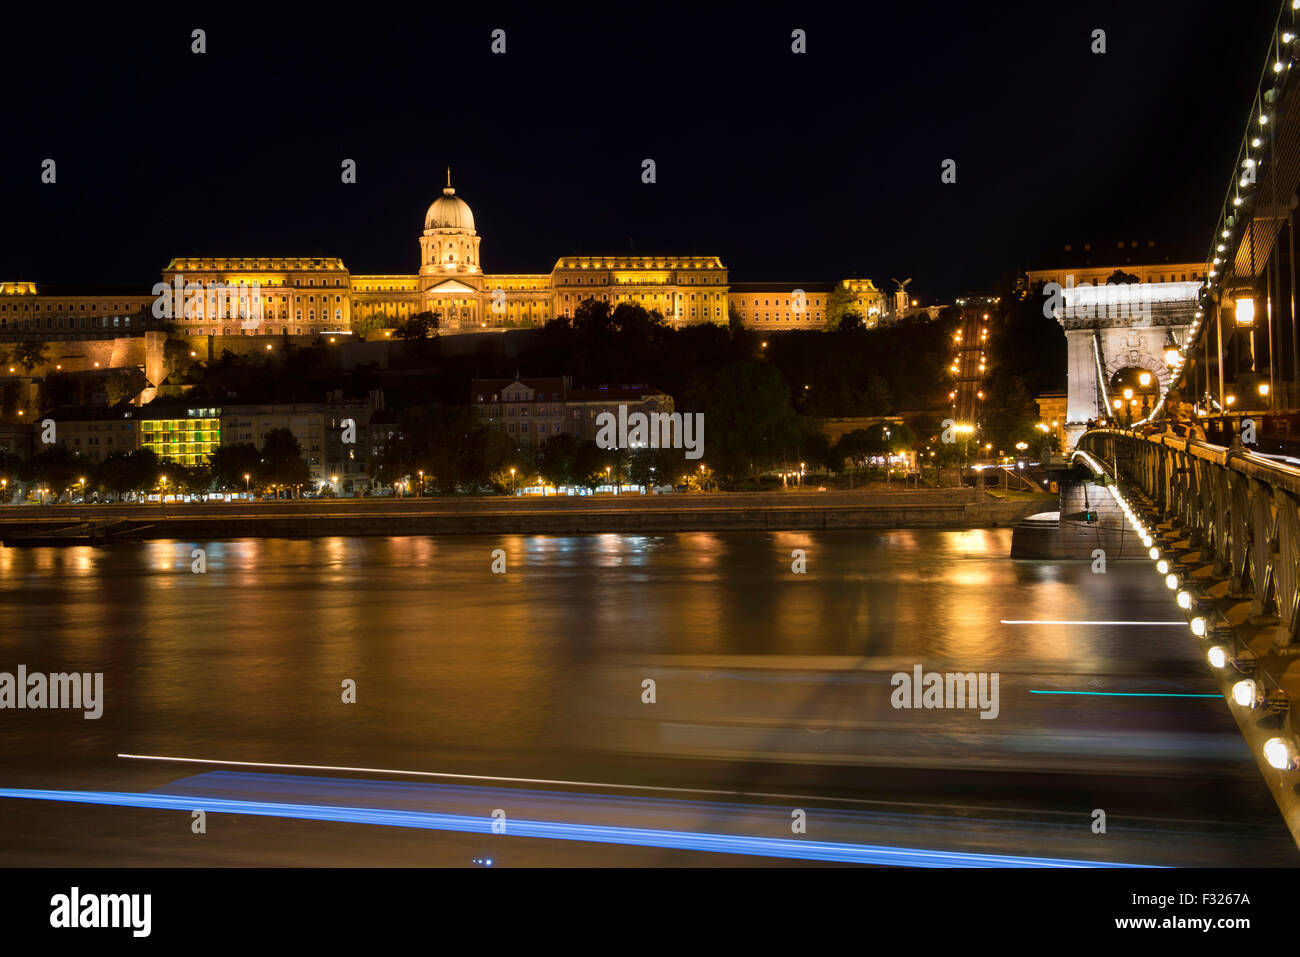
(512, 481)
(421, 492)
(248, 488)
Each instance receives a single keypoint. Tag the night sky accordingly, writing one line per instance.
(800, 168)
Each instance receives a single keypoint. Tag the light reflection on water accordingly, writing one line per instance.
(251, 655)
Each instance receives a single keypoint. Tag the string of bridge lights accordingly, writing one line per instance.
(1256, 141)
(1217, 636)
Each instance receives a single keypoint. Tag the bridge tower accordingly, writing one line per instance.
(1115, 334)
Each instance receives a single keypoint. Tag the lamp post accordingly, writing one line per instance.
(420, 493)
(512, 481)
(248, 488)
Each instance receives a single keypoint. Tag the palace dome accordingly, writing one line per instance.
(449, 211)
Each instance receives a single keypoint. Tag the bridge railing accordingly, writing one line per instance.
(1240, 510)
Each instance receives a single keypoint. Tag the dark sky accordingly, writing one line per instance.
(809, 167)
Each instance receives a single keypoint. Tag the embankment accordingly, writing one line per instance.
(788, 511)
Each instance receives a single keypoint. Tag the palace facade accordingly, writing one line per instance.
(226, 296)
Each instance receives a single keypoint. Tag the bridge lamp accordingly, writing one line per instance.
(1245, 693)
(1154, 553)
(1263, 388)
(1245, 311)
(1147, 540)
(1144, 379)
(1172, 356)
(1119, 403)
(1198, 626)
(1218, 656)
(1184, 600)
(1172, 582)
(1280, 754)
(1128, 393)
(1230, 399)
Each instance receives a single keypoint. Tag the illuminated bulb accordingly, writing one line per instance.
(1154, 553)
(1198, 626)
(1147, 540)
(1243, 692)
(1218, 657)
(1171, 581)
(1278, 751)
(1184, 600)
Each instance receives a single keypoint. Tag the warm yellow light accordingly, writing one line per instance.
(1263, 388)
(1144, 379)
(1128, 393)
(1119, 403)
(1245, 311)
(1230, 399)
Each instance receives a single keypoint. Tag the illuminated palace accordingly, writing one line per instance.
(310, 296)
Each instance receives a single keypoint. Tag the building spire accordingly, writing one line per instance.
(448, 175)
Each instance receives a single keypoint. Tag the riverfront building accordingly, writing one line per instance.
(530, 411)
(240, 295)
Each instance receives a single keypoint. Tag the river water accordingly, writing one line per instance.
(676, 660)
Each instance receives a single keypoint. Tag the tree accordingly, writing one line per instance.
(30, 353)
(840, 305)
(55, 468)
(588, 467)
(555, 459)
(376, 320)
(856, 448)
(230, 463)
(121, 385)
(422, 325)
(282, 461)
(750, 422)
(176, 356)
(735, 323)
(56, 389)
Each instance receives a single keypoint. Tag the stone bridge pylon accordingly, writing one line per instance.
(1117, 337)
